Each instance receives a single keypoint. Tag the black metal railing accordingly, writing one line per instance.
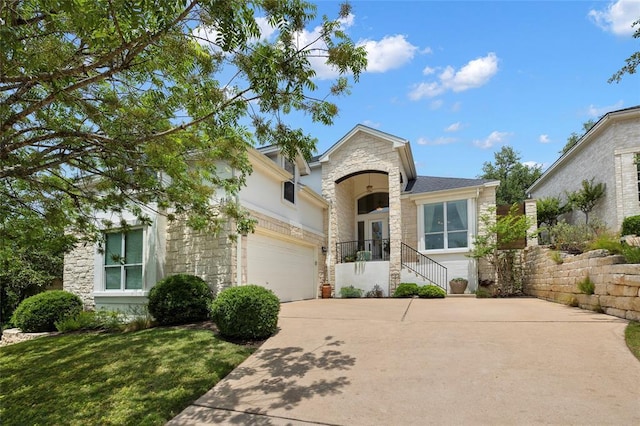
(424, 266)
(351, 251)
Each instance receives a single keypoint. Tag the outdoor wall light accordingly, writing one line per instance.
(324, 250)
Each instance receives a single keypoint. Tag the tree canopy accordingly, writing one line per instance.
(632, 62)
(113, 104)
(514, 176)
(575, 137)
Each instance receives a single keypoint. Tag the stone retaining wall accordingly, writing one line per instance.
(617, 284)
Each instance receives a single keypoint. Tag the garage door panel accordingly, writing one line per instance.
(285, 267)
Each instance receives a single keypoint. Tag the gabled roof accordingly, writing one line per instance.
(425, 184)
(606, 120)
(402, 145)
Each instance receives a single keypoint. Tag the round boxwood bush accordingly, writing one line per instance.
(431, 292)
(180, 299)
(631, 225)
(40, 312)
(247, 312)
(406, 290)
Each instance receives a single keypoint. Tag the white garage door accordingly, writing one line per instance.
(286, 268)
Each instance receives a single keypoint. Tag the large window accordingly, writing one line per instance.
(289, 187)
(446, 225)
(123, 260)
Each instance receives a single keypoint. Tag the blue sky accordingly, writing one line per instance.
(460, 79)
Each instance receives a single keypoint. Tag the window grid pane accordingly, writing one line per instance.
(112, 278)
(113, 249)
(133, 247)
(446, 234)
(133, 277)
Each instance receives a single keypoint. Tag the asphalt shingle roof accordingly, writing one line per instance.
(432, 184)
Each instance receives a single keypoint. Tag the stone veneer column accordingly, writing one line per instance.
(531, 211)
(78, 273)
(395, 228)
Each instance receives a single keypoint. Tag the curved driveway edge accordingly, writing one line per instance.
(417, 362)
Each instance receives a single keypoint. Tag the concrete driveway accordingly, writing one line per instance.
(458, 361)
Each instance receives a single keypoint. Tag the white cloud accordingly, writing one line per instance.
(597, 112)
(437, 141)
(454, 127)
(474, 74)
(544, 139)
(493, 139)
(617, 17)
(266, 30)
(389, 53)
(370, 123)
(428, 71)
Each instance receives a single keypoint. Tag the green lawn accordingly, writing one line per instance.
(137, 378)
(632, 336)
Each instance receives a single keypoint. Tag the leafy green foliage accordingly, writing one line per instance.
(574, 137)
(140, 378)
(586, 285)
(631, 254)
(631, 225)
(586, 198)
(114, 105)
(632, 62)
(632, 337)
(501, 232)
(40, 312)
(514, 176)
(548, 210)
(431, 292)
(31, 256)
(606, 241)
(572, 239)
(180, 299)
(406, 290)
(350, 292)
(246, 312)
(483, 293)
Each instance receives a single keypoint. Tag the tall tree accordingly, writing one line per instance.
(632, 62)
(514, 176)
(114, 104)
(574, 137)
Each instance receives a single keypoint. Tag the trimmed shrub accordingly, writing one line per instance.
(431, 292)
(350, 292)
(180, 299)
(631, 225)
(247, 312)
(406, 290)
(40, 312)
(483, 293)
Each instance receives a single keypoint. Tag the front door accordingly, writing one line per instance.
(373, 236)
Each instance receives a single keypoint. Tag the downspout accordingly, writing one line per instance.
(329, 245)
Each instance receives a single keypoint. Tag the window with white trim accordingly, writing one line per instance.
(289, 187)
(123, 260)
(446, 225)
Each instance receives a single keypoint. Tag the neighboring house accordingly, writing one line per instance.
(356, 215)
(608, 153)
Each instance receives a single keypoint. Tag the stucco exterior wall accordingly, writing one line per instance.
(617, 285)
(410, 223)
(596, 158)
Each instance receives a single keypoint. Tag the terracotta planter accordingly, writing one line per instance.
(326, 291)
(457, 287)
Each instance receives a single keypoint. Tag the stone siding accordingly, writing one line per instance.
(201, 253)
(78, 273)
(361, 153)
(617, 285)
(597, 158)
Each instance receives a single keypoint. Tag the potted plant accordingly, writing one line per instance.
(458, 285)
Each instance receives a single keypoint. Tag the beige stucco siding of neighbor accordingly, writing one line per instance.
(605, 154)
